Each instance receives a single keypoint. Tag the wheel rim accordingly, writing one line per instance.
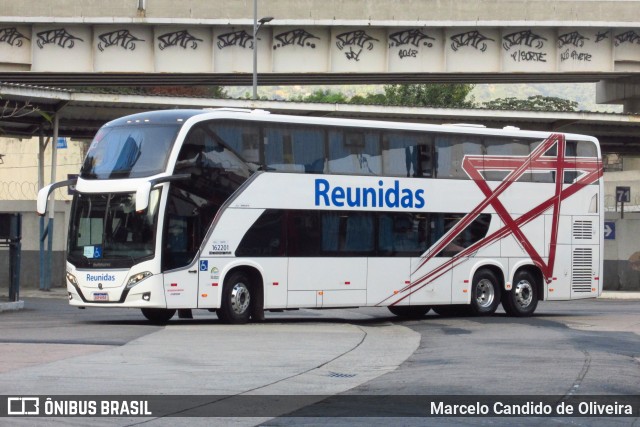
(485, 293)
(524, 293)
(240, 298)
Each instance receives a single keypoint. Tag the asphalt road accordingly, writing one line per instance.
(567, 348)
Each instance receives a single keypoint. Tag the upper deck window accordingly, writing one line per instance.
(129, 151)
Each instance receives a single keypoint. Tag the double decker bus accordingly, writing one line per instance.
(242, 212)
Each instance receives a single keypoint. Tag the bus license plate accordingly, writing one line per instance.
(100, 296)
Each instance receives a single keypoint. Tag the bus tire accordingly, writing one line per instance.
(158, 315)
(485, 293)
(522, 299)
(409, 311)
(236, 299)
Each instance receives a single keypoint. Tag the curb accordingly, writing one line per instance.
(625, 295)
(11, 306)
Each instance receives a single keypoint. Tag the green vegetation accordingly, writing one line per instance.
(584, 94)
(527, 97)
(445, 95)
(410, 95)
(532, 103)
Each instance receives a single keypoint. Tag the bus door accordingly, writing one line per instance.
(188, 216)
(180, 273)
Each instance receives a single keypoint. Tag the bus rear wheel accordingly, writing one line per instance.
(485, 293)
(409, 311)
(236, 299)
(522, 299)
(158, 315)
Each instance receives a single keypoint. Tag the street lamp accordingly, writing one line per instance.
(256, 28)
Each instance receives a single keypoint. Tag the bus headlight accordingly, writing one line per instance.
(137, 278)
(72, 279)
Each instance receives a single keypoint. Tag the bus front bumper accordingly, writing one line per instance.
(148, 293)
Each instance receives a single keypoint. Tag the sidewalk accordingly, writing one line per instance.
(6, 305)
(62, 294)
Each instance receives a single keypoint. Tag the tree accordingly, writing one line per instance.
(532, 103)
(442, 95)
(9, 109)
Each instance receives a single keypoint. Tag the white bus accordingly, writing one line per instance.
(240, 212)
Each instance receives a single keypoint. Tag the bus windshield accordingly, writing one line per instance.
(129, 151)
(106, 231)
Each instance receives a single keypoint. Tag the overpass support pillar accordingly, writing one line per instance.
(620, 91)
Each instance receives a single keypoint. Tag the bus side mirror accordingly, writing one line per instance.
(43, 194)
(142, 196)
(43, 197)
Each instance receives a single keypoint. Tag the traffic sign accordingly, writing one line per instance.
(623, 194)
(609, 230)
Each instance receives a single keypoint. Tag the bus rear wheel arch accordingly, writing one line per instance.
(522, 299)
(242, 297)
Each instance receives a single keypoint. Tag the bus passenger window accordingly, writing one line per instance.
(402, 234)
(265, 237)
(354, 152)
(547, 176)
(304, 233)
(407, 154)
(450, 152)
(330, 232)
(504, 147)
(359, 233)
(294, 149)
(587, 149)
(473, 233)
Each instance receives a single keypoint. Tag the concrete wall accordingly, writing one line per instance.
(30, 256)
(303, 48)
(19, 170)
(629, 179)
(323, 36)
(472, 11)
(18, 191)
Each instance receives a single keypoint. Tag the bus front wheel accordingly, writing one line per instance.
(485, 293)
(522, 299)
(409, 311)
(236, 299)
(158, 315)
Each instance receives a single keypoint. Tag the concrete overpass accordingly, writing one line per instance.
(151, 42)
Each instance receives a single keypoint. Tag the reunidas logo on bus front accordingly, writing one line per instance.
(101, 277)
(382, 196)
